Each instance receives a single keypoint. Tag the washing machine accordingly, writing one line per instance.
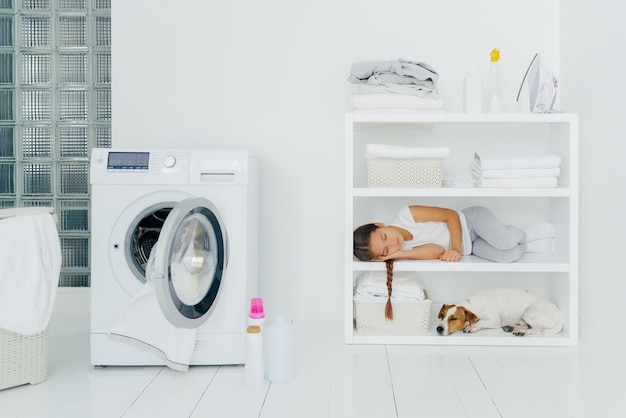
(142, 198)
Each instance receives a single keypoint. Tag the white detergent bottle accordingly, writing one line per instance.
(281, 350)
(254, 357)
(495, 99)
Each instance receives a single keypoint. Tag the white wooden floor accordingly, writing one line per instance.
(333, 380)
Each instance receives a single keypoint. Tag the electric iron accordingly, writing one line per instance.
(537, 93)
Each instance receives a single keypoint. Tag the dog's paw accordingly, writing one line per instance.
(507, 328)
(470, 329)
(521, 330)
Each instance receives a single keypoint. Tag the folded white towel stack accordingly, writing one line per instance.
(397, 86)
(372, 286)
(393, 101)
(522, 170)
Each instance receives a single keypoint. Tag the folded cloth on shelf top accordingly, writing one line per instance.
(489, 161)
(395, 151)
(398, 71)
(405, 285)
(30, 256)
(374, 86)
(393, 101)
(477, 172)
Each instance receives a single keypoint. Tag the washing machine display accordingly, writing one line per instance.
(189, 262)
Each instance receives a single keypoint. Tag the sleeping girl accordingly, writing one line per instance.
(431, 233)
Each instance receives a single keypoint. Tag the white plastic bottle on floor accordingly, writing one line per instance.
(281, 350)
(495, 99)
(254, 357)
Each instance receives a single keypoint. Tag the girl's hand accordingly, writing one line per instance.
(393, 256)
(450, 255)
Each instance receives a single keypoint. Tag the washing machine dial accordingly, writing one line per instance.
(169, 161)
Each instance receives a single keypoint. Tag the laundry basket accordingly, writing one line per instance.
(399, 166)
(23, 358)
(409, 317)
(404, 172)
(24, 347)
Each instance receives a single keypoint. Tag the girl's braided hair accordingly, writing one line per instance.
(388, 307)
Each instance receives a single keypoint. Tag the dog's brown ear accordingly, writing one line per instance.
(443, 311)
(470, 316)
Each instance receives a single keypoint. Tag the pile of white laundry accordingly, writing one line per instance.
(372, 286)
(30, 256)
(521, 170)
(396, 86)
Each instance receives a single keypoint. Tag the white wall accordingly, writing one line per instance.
(593, 63)
(271, 77)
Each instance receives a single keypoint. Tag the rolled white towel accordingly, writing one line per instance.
(460, 181)
(394, 151)
(545, 245)
(487, 161)
(538, 231)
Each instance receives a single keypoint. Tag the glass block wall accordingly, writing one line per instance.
(55, 106)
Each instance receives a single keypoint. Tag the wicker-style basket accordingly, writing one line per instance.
(23, 358)
(408, 316)
(404, 172)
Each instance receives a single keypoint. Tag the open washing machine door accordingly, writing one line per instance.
(188, 263)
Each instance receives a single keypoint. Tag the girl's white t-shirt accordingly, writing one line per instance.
(431, 232)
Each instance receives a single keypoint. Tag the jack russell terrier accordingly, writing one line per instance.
(514, 310)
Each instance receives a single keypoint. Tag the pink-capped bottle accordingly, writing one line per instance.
(257, 314)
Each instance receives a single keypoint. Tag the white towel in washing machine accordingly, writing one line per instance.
(143, 324)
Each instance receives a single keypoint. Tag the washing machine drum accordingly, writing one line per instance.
(187, 263)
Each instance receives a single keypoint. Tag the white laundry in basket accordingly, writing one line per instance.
(30, 265)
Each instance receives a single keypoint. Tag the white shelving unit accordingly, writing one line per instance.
(554, 275)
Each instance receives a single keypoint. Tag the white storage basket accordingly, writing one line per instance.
(404, 172)
(23, 358)
(409, 317)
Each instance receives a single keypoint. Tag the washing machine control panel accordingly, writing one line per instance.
(122, 166)
(169, 166)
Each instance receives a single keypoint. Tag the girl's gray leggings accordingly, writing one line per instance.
(491, 239)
